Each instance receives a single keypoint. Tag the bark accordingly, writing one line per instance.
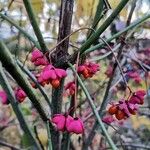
(60, 54)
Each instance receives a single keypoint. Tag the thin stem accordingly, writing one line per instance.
(27, 55)
(6, 86)
(37, 137)
(76, 82)
(105, 101)
(32, 77)
(107, 5)
(10, 65)
(133, 5)
(34, 24)
(10, 20)
(96, 47)
(49, 136)
(136, 23)
(140, 63)
(104, 26)
(98, 16)
(90, 115)
(111, 143)
(17, 47)
(53, 48)
(72, 109)
(113, 86)
(119, 66)
(106, 54)
(10, 4)
(98, 91)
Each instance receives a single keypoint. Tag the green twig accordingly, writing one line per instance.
(49, 136)
(32, 77)
(106, 54)
(6, 86)
(133, 6)
(118, 63)
(67, 37)
(136, 23)
(34, 24)
(10, 65)
(104, 26)
(98, 16)
(111, 143)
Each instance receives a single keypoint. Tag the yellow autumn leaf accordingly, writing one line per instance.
(42, 134)
(86, 7)
(37, 6)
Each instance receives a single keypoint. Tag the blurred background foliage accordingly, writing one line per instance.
(47, 13)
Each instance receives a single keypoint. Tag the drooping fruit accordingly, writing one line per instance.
(113, 110)
(55, 83)
(120, 115)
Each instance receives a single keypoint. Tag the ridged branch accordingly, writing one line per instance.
(11, 66)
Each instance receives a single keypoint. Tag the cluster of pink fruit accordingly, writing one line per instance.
(125, 108)
(68, 123)
(87, 70)
(19, 94)
(51, 75)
